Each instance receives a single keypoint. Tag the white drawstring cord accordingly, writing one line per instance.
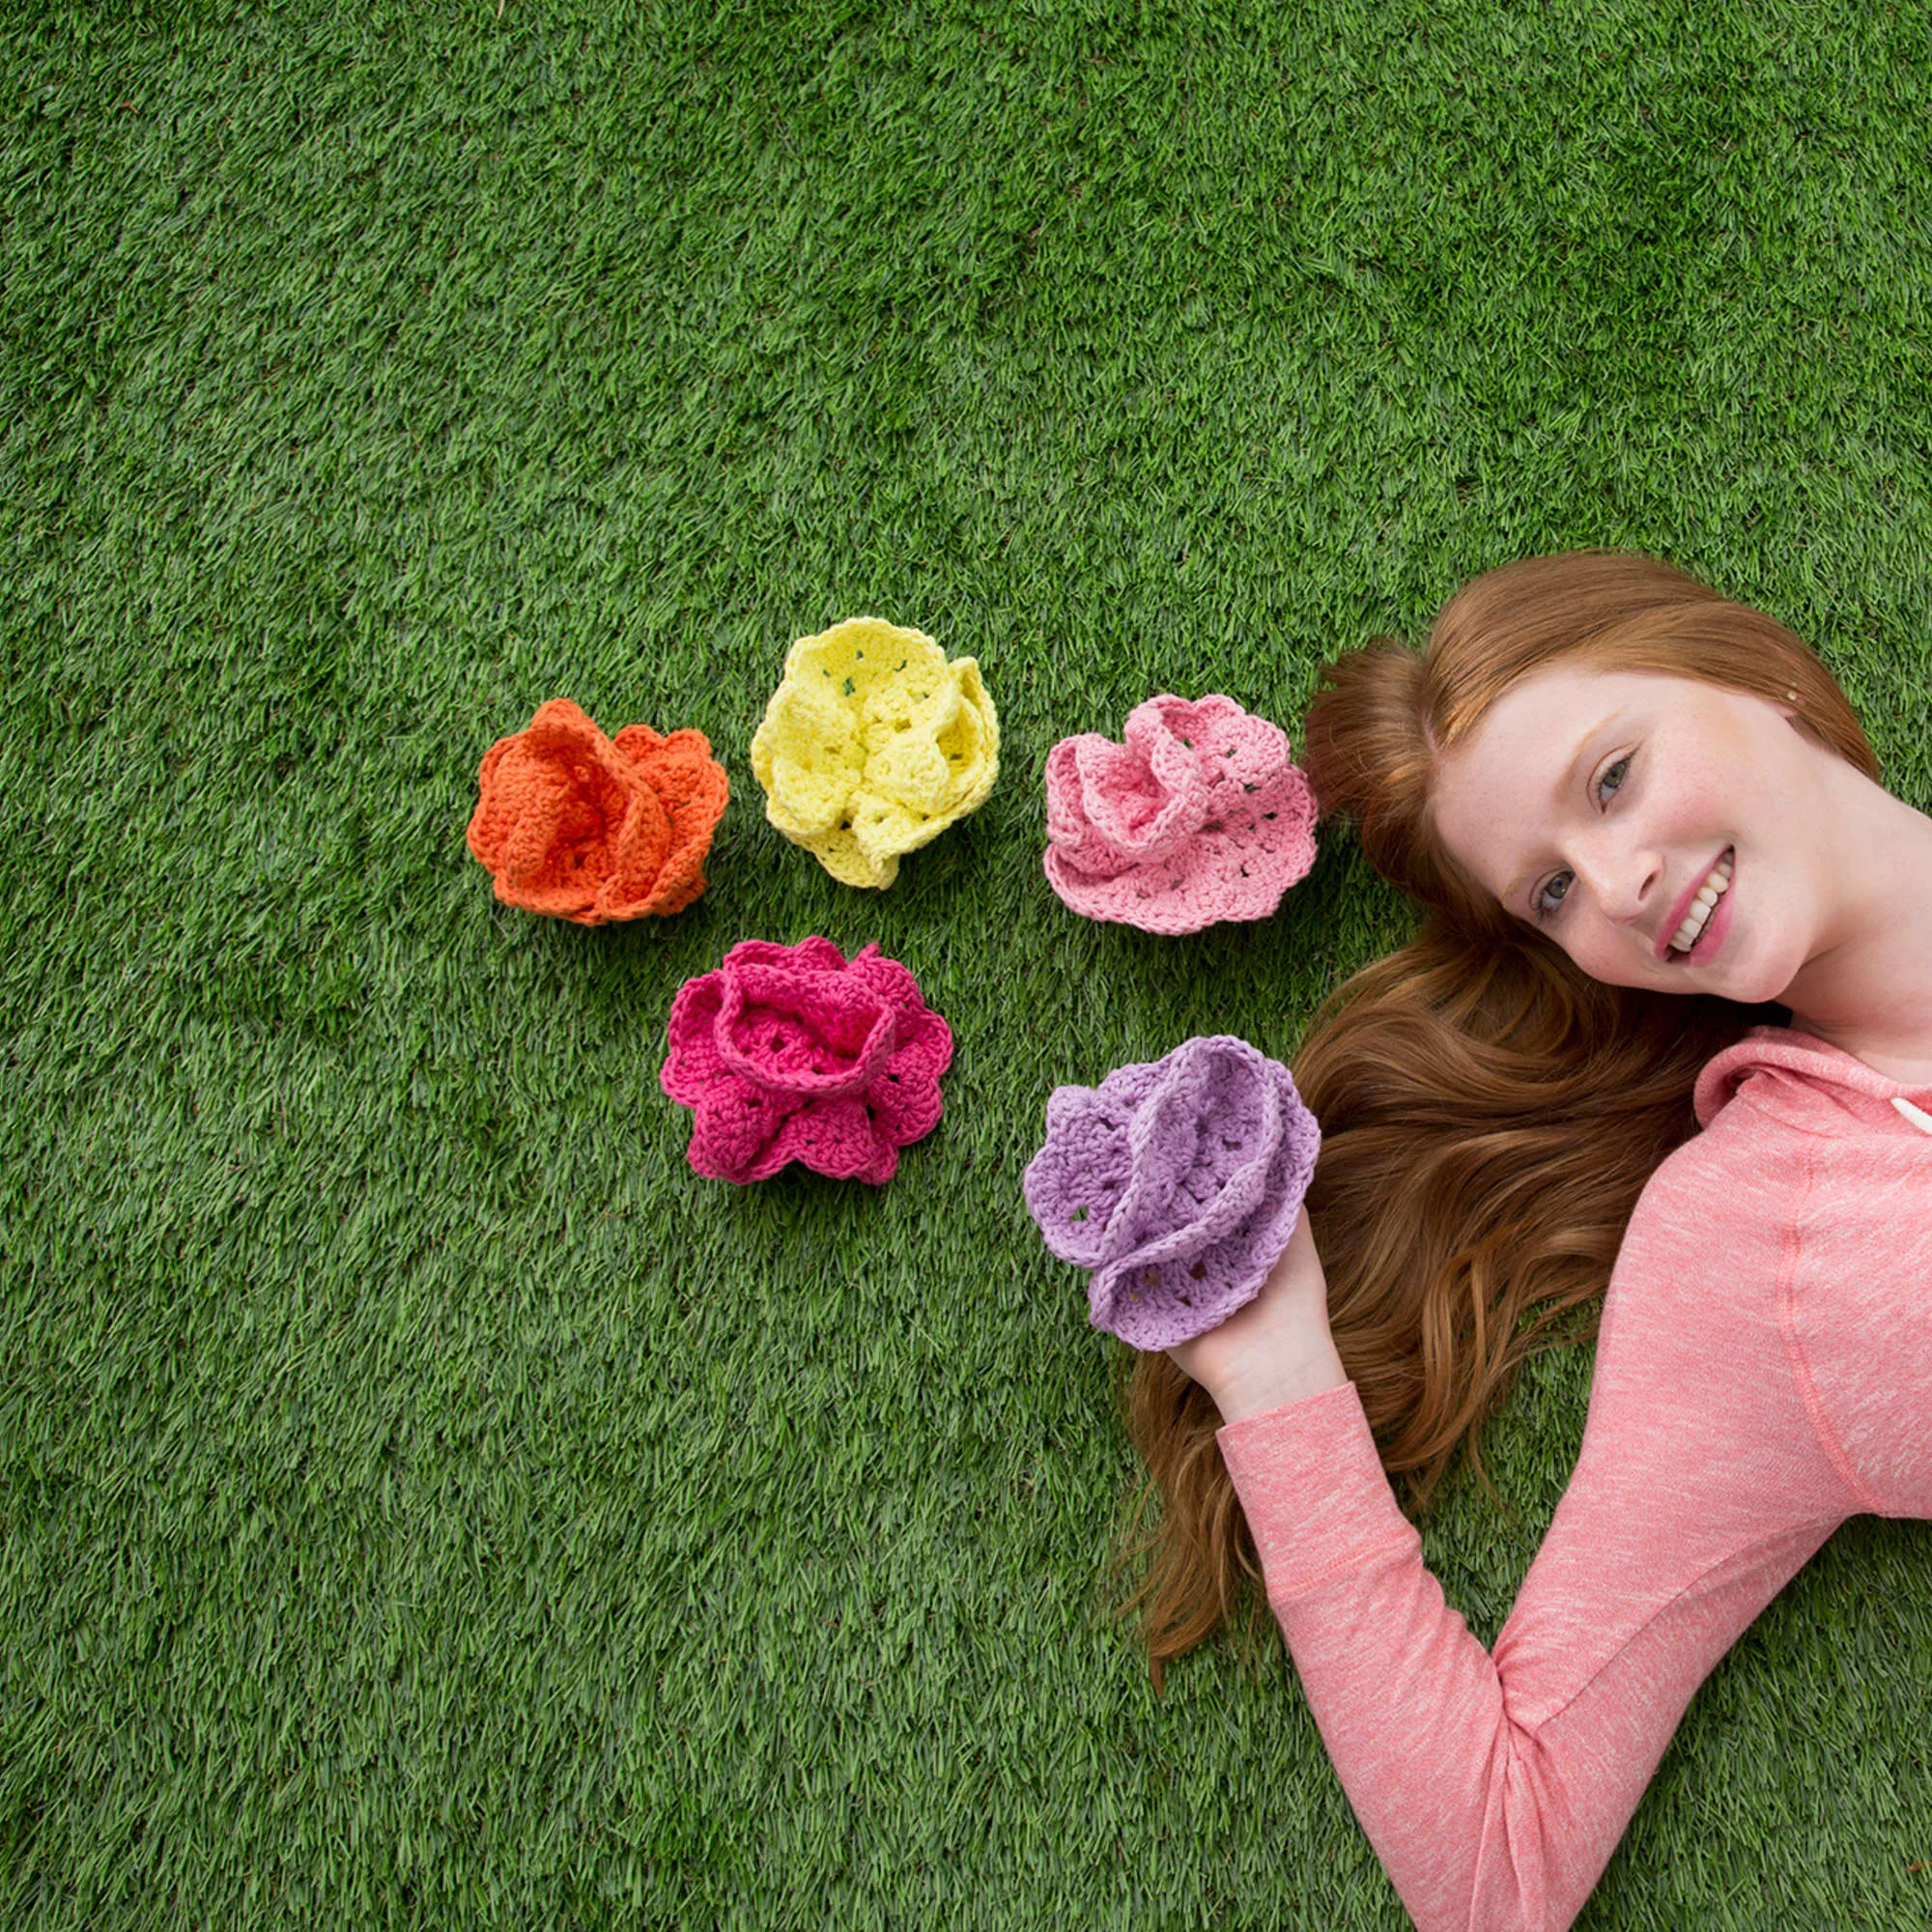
(1915, 1115)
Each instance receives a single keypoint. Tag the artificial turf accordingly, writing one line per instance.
(423, 1499)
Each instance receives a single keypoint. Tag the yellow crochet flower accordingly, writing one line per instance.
(872, 746)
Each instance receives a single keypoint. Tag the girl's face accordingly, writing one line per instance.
(1595, 805)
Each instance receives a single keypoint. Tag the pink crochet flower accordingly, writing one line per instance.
(1200, 816)
(790, 1053)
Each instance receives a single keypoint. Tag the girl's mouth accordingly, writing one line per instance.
(1716, 923)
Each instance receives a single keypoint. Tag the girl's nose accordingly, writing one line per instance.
(1626, 886)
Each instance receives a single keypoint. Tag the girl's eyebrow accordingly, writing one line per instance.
(1565, 786)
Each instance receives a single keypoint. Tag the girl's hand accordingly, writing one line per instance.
(1277, 1348)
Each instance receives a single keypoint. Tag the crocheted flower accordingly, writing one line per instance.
(1177, 1182)
(790, 1053)
(1200, 816)
(872, 746)
(584, 828)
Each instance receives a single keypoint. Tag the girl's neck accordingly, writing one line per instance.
(1869, 990)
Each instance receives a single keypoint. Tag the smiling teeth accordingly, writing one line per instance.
(1709, 894)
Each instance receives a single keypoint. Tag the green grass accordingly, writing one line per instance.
(424, 1501)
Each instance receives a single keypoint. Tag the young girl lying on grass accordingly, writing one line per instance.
(1665, 1033)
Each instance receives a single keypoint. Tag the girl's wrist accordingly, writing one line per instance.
(1280, 1383)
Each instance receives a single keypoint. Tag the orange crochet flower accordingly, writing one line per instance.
(584, 828)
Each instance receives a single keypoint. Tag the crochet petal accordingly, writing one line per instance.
(867, 653)
(816, 954)
(811, 1034)
(886, 978)
(933, 751)
(1263, 842)
(1112, 806)
(1238, 747)
(737, 1130)
(1198, 1174)
(695, 1063)
(905, 1096)
(905, 1103)
(864, 849)
(692, 789)
(971, 742)
(1073, 1184)
(1074, 843)
(926, 1047)
(937, 764)
(810, 757)
(913, 700)
(835, 1138)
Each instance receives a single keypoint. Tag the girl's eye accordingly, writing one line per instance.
(1543, 908)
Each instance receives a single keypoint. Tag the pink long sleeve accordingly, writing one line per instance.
(1496, 1787)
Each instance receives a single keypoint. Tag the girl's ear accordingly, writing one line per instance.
(1801, 724)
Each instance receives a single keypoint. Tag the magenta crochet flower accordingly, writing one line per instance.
(1178, 1181)
(793, 1053)
(1200, 816)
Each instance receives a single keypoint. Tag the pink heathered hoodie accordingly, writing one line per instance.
(1763, 1372)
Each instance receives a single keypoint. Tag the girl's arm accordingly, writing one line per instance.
(1495, 1786)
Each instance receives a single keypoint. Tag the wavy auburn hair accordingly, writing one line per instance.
(1490, 1114)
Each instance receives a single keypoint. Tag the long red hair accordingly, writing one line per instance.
(1489, 1112)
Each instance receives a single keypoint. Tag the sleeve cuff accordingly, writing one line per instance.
(1313, 1489)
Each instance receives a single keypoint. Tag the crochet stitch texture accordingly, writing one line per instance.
(1200, 816)
(591, 829)
(791, 1053)
(1177, 1182)
(873, 745)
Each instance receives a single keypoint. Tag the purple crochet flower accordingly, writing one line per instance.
(1178, 1181)
(790, 1053)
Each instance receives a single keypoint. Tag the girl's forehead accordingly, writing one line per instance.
(1563, 685)
(1548, 710)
